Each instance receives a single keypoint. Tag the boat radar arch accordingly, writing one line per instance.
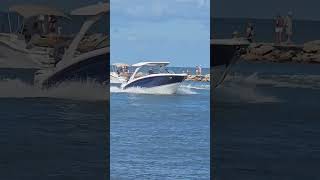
(28, 11)
(91, 10)
(151, 64)
(94, 12)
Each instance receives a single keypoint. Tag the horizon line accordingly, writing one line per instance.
(260, 18)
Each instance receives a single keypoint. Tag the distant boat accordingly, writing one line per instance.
(92, 65)
(118, 74)
(224, 53)
(154, 76)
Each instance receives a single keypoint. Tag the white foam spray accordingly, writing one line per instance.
(246, 88)
(184, 89)
(84, 91)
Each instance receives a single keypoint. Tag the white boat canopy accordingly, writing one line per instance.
(28, 11)
(120, 65)
(150, 64)
(91, 10)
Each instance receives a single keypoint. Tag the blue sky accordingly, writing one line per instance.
(173, 30)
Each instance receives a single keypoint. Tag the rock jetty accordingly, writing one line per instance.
(308, 53)
(201, 78)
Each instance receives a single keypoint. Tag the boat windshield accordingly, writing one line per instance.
(147, 70)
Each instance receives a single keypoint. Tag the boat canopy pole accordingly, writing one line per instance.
(9, 22)
(76, 41)
(134, 74)
(22, 28)
(18, 24)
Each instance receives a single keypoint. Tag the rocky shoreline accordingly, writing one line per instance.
(307, 53)
(199, 78)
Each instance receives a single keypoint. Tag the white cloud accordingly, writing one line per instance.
(145, 9)
(177, 30)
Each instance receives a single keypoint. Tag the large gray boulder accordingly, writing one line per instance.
(286, 56)
(262, 50)
(312, 47)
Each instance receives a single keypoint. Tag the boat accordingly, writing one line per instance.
(23, 49)
(154, 76)
(119, 74)
(75, 66)
(224, 54)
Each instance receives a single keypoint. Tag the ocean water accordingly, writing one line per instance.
(267, 122)
(157, 136)
(59, 133)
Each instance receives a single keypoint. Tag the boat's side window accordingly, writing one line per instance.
(139, 74)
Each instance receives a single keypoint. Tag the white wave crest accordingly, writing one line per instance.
(182, 90)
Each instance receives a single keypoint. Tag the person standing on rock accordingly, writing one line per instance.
(200, 70)
(288, 24)
(279, 24)
(249, 32)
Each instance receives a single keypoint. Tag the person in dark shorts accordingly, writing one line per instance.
(249, 32)
(279, 26)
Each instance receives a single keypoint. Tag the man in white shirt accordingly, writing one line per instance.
(289, 27)
(200, 70)
(41, 19)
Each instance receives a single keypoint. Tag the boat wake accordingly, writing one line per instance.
(238, 89)
(280, 81)
(182, 90)
(251, 88)
(197, 87)
(83, 91)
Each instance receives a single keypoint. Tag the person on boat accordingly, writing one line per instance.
(235, 34)
(52, 23)
(27, 34)
(59, 50)
(288, 25)
(124, 72)
(42, 24)
(197, 71)
(250, 32)
(35, 35)
(279, 24)
(59, 30)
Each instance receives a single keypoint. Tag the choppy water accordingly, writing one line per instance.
(160, 136)
(267, 119)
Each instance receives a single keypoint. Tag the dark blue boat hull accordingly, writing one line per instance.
(222, 54)
(95, 68)
(155, 81)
